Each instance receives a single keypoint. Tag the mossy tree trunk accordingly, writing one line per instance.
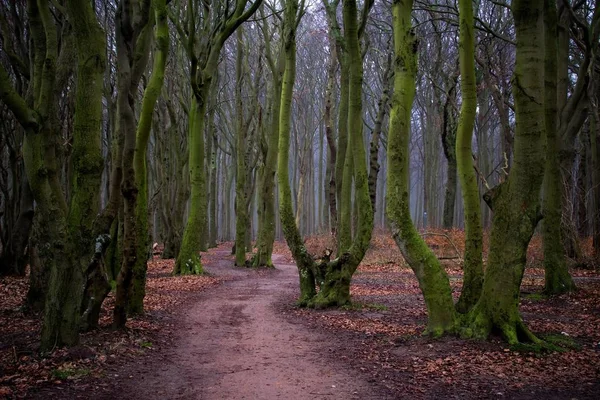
(64, 232)
(133, 39)
(332, 276)
(174, 200)
(449, 147)
(473, 259)
(50, 239)
(204, 59)
(188, 260)
(515, 202)
(382, 110)
(432, 278)
(304, 260)
(242, 220)
(212, 208)
(335, 276)
(330, 187)
(266, 187)
(557, 277)
(151, 94)
(87, 160)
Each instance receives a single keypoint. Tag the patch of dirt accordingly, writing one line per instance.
(245, 339)
(381, 336)
(23, 371)
(234, 342)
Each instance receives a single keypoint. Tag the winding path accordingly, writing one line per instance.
(234, 343)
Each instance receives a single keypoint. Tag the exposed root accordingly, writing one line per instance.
(333, 299)
(256, 262)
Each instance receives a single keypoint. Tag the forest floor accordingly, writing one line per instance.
(236, 334)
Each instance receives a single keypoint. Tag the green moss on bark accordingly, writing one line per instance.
(473, 259)
(151, 94)
(557, 277)
(188, 260)
(432, 278)
(516, 201)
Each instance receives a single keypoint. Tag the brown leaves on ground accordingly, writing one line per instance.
(380, 333)
(21, 366)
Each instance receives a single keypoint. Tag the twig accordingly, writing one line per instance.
(481, 177)
(458, 257)
(505, 167)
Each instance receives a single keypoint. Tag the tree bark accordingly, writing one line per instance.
(473, 260)
(516, 201)
(557, 277)
(432, 278)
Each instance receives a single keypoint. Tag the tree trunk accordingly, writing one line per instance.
(595, 148)
(335, 276)
(557, 277)
(14, 256)
(432, 278)
(473, 260)
(382, 107)
(266, 234)
(151, 94)
(241, 210)
(516, 201)
(188, 260)
(304, 260)
(129, 41)
(449, 147)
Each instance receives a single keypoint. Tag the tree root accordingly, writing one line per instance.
(255, 262)
(323, 300)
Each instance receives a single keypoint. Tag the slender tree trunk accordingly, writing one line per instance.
(14, 256)
(129, 41)
(303, 259)
(242, 221)
(340, 160)
(595, 148)
(212, 237)
(432, 278)
(266, 234)
(473, 260)
(557, 277)
(329, 129)
(382, 107)
(151, 94)
(449, 147)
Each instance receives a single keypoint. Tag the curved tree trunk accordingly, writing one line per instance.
(151, 94)
(304, 260)
(432, 278)
(516, 201)
(337, 274)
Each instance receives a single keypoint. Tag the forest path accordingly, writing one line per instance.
(235, 343)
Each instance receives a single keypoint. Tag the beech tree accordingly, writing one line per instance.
(129, 125)
(64, 229)
(215, 24)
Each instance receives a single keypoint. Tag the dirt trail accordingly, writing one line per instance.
(234, 343)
